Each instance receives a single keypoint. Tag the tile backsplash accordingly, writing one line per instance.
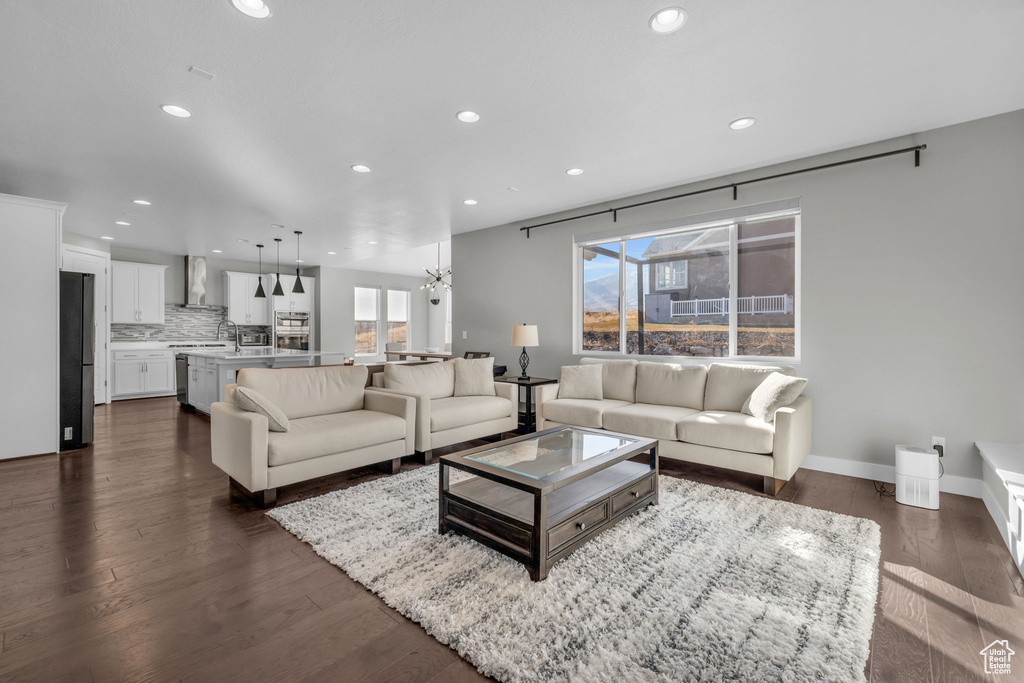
(179, 323)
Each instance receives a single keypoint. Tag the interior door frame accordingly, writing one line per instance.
(107, 305)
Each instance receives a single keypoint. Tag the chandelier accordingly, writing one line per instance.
(438, 279)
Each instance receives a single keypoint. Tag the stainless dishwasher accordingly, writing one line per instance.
(181, 377)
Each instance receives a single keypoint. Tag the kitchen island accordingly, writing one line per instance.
(202, 373)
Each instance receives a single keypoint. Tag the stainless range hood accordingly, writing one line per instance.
(195, 282)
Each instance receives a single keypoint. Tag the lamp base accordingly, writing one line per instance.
(524, 362)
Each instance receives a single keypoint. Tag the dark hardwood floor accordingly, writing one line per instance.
(132, 560)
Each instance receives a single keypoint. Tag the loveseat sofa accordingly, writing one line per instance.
(334, 424)
(442, 417)
(695, 413)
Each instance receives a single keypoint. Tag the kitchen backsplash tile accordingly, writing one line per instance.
(179, 323)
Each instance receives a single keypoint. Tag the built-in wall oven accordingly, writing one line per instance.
(291, 330)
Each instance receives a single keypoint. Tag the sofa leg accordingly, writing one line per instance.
(428, 456)
(390, 466)
(772, 486)
(264, 499)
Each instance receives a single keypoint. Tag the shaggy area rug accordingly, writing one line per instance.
(709, 585)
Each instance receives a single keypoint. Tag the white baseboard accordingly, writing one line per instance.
(964, 486)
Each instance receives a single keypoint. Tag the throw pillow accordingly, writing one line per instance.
(474, 377)
(255, 402)
(580, 381)
(776, 391)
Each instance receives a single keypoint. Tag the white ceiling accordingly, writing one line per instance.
(408, 261)
(321, 85)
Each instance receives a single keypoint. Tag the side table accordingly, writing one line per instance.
(527, 418)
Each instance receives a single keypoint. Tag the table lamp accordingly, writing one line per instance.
(524, 335)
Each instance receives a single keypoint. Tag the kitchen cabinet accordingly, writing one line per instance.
(197, 384)
(137, 293)
(143, 373)
(243, 307)
(295, 302)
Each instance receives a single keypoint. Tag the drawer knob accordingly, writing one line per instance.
(582, 526)
(636, 494)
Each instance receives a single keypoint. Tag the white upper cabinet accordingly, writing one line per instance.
(137, 292)
(295, 302)
(244, 308)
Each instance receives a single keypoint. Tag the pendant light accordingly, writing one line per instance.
(298, 288)
(438, 279)
(278, 289)
(260, 293)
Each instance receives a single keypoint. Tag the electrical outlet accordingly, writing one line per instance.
(938, 441)
(463, 334)
(67, 433)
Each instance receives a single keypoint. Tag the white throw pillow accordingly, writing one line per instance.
(474, 377)
(255, 402)
(580, 381)
(776, 391)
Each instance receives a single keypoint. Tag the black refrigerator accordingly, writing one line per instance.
(77, 354)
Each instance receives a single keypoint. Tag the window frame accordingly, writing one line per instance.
(664, 265)
(408, 314)
(355, 320)
(675, 227)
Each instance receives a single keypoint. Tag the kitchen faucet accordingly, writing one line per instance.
(238, 347)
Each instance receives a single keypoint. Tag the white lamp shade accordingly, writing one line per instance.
(525, 335)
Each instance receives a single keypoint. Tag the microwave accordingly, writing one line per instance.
(254, 339)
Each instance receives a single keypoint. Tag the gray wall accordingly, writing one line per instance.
(930, 257)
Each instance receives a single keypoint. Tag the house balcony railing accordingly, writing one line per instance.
(756, 305)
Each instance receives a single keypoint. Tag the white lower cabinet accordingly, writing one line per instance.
(143, 373)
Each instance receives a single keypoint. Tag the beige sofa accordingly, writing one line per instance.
(335, 424)
(694, 412)
(443, 419)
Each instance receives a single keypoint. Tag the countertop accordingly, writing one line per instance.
(158, 344)
(255, 353)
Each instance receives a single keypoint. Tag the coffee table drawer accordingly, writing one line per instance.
(624, 499)
(576, 526)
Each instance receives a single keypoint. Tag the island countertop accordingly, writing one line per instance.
(256, 353)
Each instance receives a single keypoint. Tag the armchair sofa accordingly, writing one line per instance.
(442, 418)
(695, 413)
(335, 424)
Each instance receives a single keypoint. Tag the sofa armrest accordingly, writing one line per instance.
(509, 391)
(545, 393)
(394, 404)
(238, 442)
(792, 437)
(422, 441)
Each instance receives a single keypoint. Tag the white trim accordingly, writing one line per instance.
(1004, 525)
(964, 486)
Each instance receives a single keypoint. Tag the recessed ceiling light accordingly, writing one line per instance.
(276, 225)
(331, 253)
(217, 251)
(574, 171)
(241, 240)
(175, 110)
(143, 202)
(121, 223)
(668, 20)
(371, 242)
(359, 168)
(467, 116)
(106, 238)
(469, 202)
(745, 122)
(298, 260)
(257, 9)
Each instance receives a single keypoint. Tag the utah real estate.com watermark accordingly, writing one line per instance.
(997, 657)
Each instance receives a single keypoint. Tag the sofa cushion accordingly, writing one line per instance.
(581, 381)
(254, 402)
(727, 429)
(618, 378)
(671, 384)
(644, 419)
(302, 392)
(459, 411)
(729, 384)
(474, 376)
(312, 437)
(582, 412)
(436, 380)
(776, 391)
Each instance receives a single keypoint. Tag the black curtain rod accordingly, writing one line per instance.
(733, 186)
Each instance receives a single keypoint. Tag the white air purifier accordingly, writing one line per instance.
(917, 476)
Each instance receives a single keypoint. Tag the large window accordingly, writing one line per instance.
(367, 320)
(722, 289)
(398, 317)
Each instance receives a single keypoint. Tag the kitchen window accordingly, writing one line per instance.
(725, 287)
(398, 317)
(367, 318)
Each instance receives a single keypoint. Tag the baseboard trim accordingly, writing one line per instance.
(964, 486)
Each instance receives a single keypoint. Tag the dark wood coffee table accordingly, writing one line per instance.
(537, 498)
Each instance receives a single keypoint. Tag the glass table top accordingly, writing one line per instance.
(550, 453)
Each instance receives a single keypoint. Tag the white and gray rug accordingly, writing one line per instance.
(710, 585)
